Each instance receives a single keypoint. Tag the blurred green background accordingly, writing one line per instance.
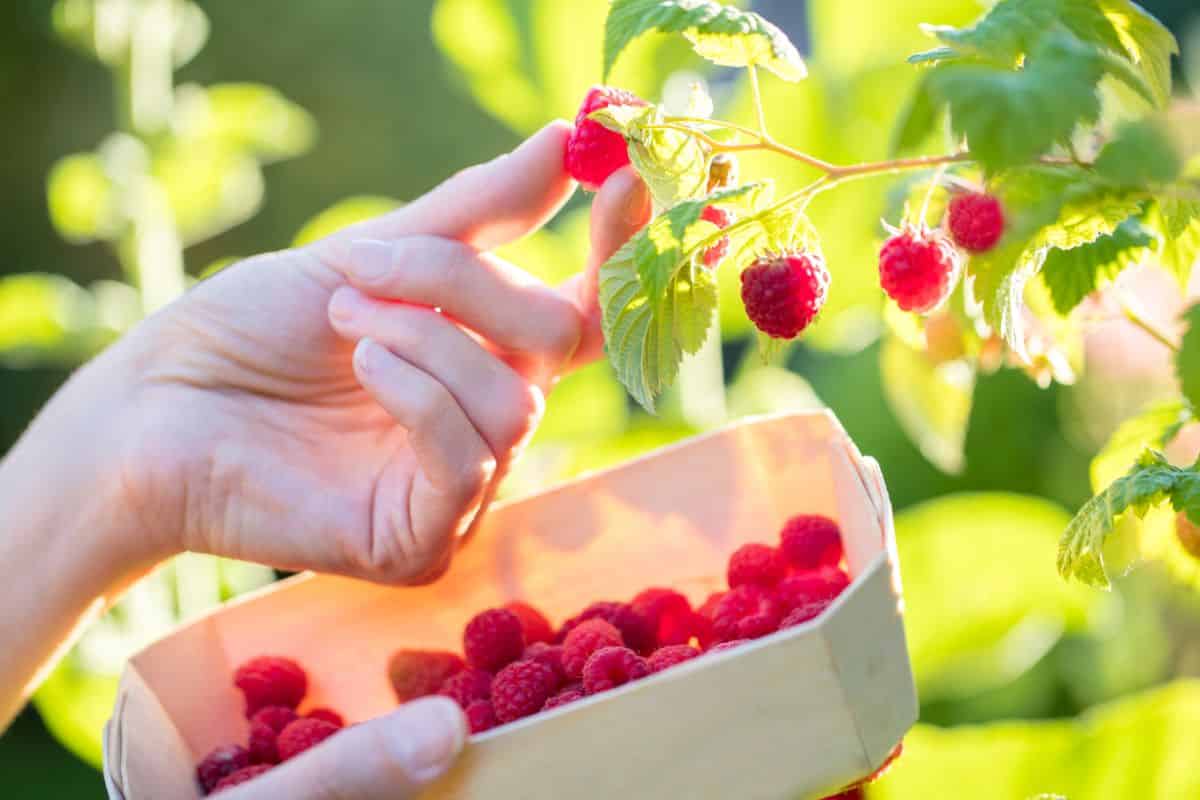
(1028, 685)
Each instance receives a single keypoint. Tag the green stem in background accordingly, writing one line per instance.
(759, 109)
(1152, 329)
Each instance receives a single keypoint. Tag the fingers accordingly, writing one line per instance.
(415, 524)
(622, 208)
(501, 405)
(389, 758)
(504, 304)
(485, 205)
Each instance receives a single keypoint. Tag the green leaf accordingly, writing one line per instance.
(1071, 275)
(1149, 482)
(1012, 116)
(1148, 44)
(1187, 360)
(1178, 222)
(1154, 428)
(917, 121)
(722, 34)
(932, 402)
(673, 164)
(1140, 155)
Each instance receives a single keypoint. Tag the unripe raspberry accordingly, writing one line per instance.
(783, 294)
(722, 172)
(976, 221)
(1188, 534)
(918, 269)
(593, 151)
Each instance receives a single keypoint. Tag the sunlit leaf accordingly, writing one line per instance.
(83, 203)
(210, 188)
(245, 117)
(1073, 274)
(932, 402)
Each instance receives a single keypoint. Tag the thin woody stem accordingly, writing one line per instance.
(1152, 329)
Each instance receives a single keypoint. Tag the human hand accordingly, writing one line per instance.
(264, 433)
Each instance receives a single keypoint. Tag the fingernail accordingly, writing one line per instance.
(343, 306)
(432, 735)
(370, 259)
(365, 354)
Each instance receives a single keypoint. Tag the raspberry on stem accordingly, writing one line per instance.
(976, 221)
(593, 151)
(918, 269)
(722, 219)
(783, 294)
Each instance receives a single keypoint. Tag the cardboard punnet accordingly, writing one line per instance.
(793, 715)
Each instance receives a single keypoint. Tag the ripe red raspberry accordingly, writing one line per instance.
(1188, 534)
(584, 639)
(275, 717)
(467, 686)
(976, 221)
(784, 294)
(667, 657)
(219, 763)
(521, 689)
(746, 612)
(481, 716)
(722, 219)
(808, 541)
(565, 697)
(549, 654)
(593, 151)
(534, 624)
(918, 269)
(419, 673)
(757, 564)
(327, 714)
(803, 613)
(670, 616)
(243, 775)
(611, 667)
(709, 606)
(818, 585)
(270, 681)
(302, 735)
(493, 639)
(262, 744)
(636, 632)
(730, 645)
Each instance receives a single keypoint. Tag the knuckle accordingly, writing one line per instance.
(563, 330)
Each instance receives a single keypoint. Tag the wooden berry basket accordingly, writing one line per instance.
(797, 714)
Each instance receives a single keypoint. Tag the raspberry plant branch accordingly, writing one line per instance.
(1133, 314)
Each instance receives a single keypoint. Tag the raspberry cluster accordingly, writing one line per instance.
(516, 664)
(273, 688)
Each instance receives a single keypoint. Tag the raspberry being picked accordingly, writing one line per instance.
(976, 221)
(918, 269)
(783, 294)
(593, 151)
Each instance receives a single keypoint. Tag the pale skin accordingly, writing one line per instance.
(310, 409)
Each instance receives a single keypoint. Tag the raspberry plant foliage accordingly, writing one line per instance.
(1058, 110)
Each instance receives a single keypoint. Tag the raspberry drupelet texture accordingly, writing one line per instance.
(481, 716)
(756, 564)
(302, 735)
(671, 655)
(219, 763)
(818, 585)
(262, 744)
(419, 673)
(611, 667)
(808, 541)
(722, 219)
(549, 654)
(271, 681)
(918, 269)
(976, 221)
(636, 632)
(327, 714)
(534, 624)
(584, 639)
(565, 697)
(593, 151)
(493, 639)
(746, 612)
(467, 686)
(784, 294)
(243, 775)
(275, 717)
(521, 689)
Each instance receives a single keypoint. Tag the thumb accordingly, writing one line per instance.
(622, 208)
(389, 758)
